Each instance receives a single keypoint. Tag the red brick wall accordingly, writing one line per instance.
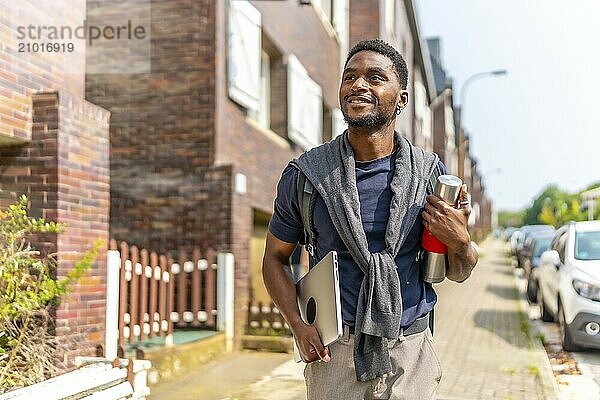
(364, 20)
(165, 191)
(64, 171)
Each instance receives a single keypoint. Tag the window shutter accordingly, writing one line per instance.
(422, 111)
(338, 124)
(340, 21)
(305, 107)
(244, 53)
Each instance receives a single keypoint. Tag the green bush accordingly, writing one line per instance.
(28, 291)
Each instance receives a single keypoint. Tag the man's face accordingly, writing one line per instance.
(370, 91)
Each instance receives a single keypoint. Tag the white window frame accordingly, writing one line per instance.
(422, 110)
(244, 54)
(390, 19)
(341, 27)
(262, 116)
(305, 106)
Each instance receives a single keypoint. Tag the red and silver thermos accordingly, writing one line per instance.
(433, 266)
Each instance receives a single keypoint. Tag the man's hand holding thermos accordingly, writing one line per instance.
(445, 220)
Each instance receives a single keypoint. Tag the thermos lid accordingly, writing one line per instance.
(447, 188)
(450, 180)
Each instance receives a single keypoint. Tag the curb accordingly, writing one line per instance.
(547, 380)
(172, 362)
(277, 344)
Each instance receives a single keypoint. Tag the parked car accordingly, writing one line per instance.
(526, 231)
(514, 241)
(534, 246)
(508, 233)
(569, 284)
(527, 250)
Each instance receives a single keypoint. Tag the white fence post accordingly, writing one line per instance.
(225, 287)
(113, 264)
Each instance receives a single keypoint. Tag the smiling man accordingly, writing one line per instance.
(371, 207)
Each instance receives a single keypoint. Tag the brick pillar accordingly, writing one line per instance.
(64, 170)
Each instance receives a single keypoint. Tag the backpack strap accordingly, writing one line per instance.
(433, 179)
(430, 190)
(306, 202)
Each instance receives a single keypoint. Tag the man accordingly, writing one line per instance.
(371, 185)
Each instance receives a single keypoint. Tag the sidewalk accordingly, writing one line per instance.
(481, 336)
(223, 377)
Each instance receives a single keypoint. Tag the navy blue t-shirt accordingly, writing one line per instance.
(373, 180)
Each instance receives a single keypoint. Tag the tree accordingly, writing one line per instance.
(555, 207)
(511, 218)
(550, 197)
(552, 206)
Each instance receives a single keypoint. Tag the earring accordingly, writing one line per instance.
(398, 110)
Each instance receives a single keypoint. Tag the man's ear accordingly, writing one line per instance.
(403, 99)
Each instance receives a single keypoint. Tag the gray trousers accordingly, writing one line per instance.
(416, 372)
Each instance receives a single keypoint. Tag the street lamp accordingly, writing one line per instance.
(463, 96)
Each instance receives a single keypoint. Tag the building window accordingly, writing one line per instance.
(275, 92)
(244, 54)
(340, 26)
(325, 6)
(334, 14)
(449, 122)
(262, 115)
(422, 111)
(305, 106)
(338, 123)
(390, 20)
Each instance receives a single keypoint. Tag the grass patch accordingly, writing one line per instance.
(533, 370)
(524, 323)
(509, 370)
(541, 337)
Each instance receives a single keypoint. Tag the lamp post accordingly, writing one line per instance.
(463, 96)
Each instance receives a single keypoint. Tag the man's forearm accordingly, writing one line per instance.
(281, 289)
(461, 262)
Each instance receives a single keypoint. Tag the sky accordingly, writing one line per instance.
(540, 123)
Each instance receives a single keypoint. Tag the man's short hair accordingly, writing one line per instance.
(383, 48)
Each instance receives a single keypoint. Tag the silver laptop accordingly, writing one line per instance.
(318, 294)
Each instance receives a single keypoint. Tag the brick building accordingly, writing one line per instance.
(236, 89)
(444, 141)
(481, 223)
(54, 148)
(197, 148)
(395, 21)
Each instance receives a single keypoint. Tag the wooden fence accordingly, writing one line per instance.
(265, 319)
(157, 292)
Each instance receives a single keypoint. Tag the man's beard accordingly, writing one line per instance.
(375, 119)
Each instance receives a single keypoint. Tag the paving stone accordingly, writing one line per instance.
(478, 335)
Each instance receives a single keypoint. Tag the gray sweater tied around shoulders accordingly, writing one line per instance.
(331, 169)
